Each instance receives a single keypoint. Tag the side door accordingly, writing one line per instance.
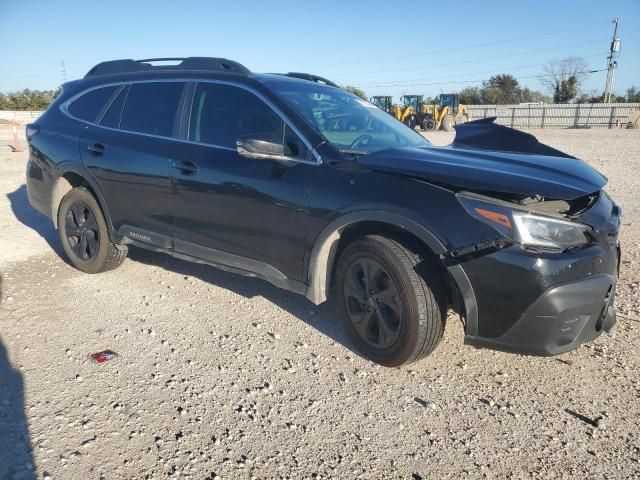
(250, 213)
(129, 152)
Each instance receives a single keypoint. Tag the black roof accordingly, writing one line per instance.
(199, 65)
(205, 64)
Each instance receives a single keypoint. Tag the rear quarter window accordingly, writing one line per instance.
(151, 108)
(89, 105)
(111, 117)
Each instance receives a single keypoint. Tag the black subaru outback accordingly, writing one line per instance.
(292, 180)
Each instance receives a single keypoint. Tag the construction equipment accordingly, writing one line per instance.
(443, 115)
(384, 103)
(411, 111)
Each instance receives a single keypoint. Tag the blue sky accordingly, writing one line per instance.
(426, 47)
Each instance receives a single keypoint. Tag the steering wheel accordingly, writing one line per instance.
(361, 140)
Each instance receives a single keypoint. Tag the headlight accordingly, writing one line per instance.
(549, 232)
(527, 228)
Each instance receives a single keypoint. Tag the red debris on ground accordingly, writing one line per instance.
(103, 356)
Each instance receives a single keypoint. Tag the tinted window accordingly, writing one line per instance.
(294, 146)
(111, 118)
(221, 114)
(151, 108)
(88, 106)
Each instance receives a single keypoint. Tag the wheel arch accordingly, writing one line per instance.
(72, 177)
(324, 255)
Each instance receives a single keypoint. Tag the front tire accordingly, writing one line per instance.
(84, 235)
(448, 123)
(428, 123)
(393, 314)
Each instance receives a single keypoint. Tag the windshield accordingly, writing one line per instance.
(346, 121)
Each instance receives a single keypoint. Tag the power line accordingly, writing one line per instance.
(493, 71)
(510, 55)
(474, 81)
(454, 49)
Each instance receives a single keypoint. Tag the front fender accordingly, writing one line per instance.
(324, 248)
(322, 258)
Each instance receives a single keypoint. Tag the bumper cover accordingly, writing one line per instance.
(560, 320)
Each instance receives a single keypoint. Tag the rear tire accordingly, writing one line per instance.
(393, 314)
(84, 235)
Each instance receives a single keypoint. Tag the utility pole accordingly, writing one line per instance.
(614, 49)
(64, 71)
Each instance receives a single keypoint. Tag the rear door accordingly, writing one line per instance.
(129, 151)
(252, 208)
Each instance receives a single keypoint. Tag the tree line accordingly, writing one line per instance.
(562, 80)
(27, 99)
(505, 90)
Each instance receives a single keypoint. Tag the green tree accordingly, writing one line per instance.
(633, 95)
(356, 91)
(532, 96)
(470, 96)
(27, 99)
(563, 78)
(566, 90)
(501, 89)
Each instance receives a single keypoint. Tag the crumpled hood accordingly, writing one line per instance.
(469, 167)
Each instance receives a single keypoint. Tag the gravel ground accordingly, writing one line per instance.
(225, 376)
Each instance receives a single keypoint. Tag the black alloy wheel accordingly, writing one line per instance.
(81, 230)
(84, 234)
(372, 303)
(391, 299)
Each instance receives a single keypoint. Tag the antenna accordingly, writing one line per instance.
(63, 71)
(614, 49)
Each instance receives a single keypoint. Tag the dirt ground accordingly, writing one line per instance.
(225, 376)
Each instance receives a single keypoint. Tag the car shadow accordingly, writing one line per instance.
(323, 318)
(16, 456)
(33, 219)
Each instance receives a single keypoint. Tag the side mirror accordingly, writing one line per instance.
(258, 148)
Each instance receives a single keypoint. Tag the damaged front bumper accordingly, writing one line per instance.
(561, 319)
(541, 304)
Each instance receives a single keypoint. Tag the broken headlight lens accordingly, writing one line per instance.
(542, 231)
(526, 228)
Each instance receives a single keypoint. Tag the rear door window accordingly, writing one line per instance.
(89, 106)
(151, 108)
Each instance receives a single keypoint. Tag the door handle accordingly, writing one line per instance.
(96, 148)
(185, 166)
